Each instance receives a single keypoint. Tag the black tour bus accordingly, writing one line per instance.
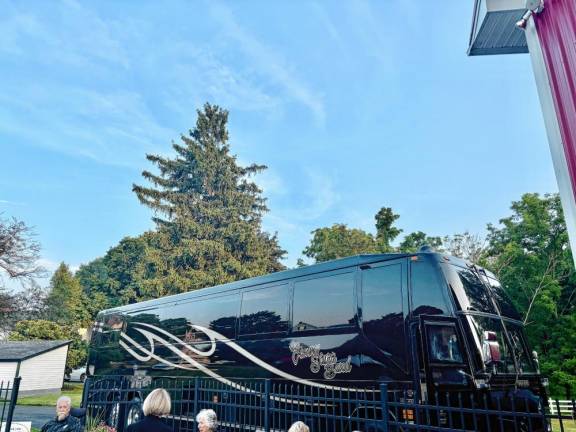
(424, 322)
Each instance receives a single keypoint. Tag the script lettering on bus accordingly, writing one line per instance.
(320, 360)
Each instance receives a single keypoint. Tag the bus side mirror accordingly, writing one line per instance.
(536, 362)
(491, 348)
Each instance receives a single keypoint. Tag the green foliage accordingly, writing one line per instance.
(386, 232)
(49, 330)
(530, 253)
(208, 216)
(65, 302)
(339, 241)
(413, 241)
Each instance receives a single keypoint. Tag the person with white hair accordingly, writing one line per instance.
(156, 405)
(63, 421)
(207, 421)
(299, 427)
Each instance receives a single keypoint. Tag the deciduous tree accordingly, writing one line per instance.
(530, 253)
(49, 330)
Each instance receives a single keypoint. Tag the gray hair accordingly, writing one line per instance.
(208, 417)
(299, 427)
(64, 399)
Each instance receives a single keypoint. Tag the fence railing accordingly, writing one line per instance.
(271, 406)
(566, 408)
(8, 399)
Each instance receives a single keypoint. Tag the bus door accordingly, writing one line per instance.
(445, 365)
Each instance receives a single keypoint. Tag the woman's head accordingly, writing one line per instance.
(299, 427)
(157, 403)
(206, 420)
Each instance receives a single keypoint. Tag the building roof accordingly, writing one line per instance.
(22, 350)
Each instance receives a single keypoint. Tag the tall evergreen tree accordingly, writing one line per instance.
(65, 298)
(208, 213)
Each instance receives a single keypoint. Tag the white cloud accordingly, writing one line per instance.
(12, 203)
(269, 62)
(109, 127)
(271, 183)
(48, 264)
(319, 196)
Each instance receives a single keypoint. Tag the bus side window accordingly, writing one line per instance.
(443, 343)
(324, 303)
(383, 311)
(265, 310)
(428, 291)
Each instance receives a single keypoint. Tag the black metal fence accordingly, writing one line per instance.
(8, 398)
(265, 405)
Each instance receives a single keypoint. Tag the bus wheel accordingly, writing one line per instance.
(114, 414)
(134, 413)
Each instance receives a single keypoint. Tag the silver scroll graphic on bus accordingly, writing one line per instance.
(320, 360)
(190, 357)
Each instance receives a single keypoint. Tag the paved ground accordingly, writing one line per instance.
(38, 415)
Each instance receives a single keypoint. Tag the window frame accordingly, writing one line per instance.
(265, 335)
(340, 329)
(404, 299)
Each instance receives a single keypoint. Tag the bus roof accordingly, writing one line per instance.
(327, 266)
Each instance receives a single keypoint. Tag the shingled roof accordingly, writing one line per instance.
(17, 351)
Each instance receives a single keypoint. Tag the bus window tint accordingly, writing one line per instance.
(324, 303)
(519, 350)
(428, 296)
(504, 302)
(475, 290)
(382, 311)
(216, 313)
(265, 310)
(443, 344)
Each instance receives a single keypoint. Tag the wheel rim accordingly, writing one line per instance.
(114, 414)
(133, 415)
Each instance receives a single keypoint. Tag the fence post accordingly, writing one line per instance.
(195, 397)
(267, 405)
(384, 405)
(85, 392)
(13, 400)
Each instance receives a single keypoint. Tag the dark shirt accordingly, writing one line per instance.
(149, 424)
(69, 424)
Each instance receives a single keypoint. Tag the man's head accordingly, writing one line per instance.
(63, 406)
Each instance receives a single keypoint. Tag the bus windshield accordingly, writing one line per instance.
(472, 293)
(515, 349)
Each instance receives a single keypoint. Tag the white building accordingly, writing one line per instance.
(41, 365)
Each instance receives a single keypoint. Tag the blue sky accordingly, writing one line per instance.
(353, 105)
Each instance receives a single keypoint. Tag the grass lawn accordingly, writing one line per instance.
(73, 390)
(569, 426)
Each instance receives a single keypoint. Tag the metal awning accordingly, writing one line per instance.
(494, 29)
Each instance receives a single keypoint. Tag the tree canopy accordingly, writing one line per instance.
(530, 253)
(66, 301)
(208, 214)
(339, 241)
(49, 330)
